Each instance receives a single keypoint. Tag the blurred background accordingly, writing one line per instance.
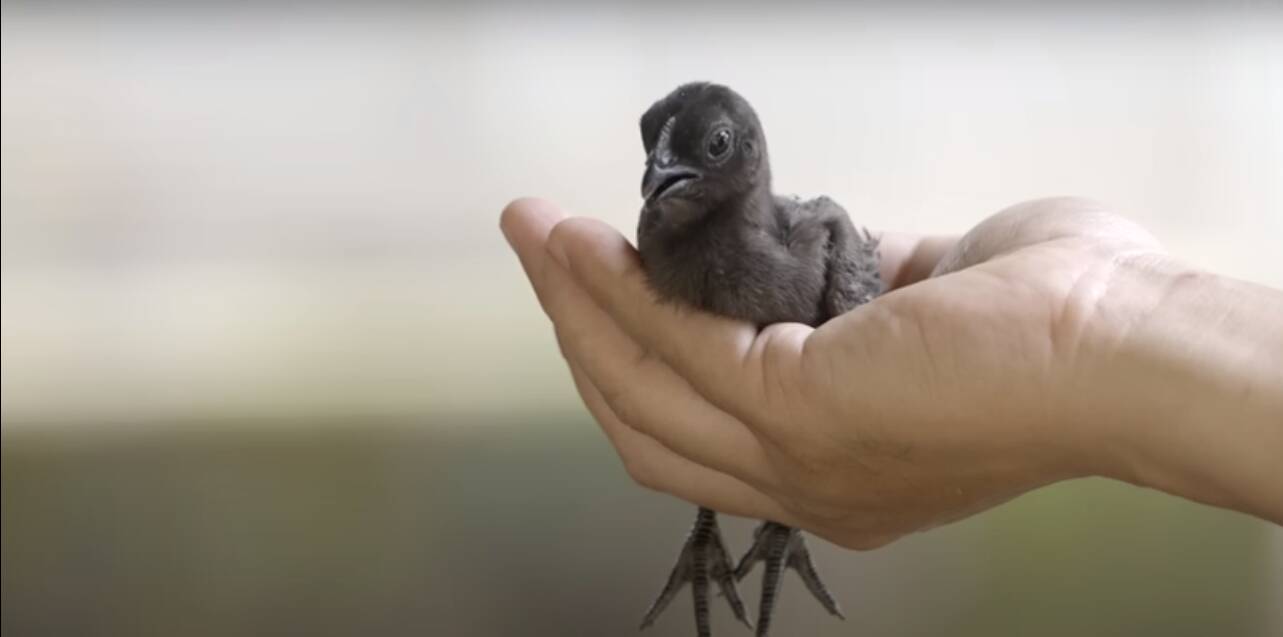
(268, 365)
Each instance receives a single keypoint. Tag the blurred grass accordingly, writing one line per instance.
(523, 525)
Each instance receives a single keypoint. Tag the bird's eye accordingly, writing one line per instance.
(719, 143)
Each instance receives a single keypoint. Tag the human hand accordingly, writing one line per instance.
(944, 397)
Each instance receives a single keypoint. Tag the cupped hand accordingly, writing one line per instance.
(958, 389)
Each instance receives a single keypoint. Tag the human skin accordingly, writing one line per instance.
(1053, 341)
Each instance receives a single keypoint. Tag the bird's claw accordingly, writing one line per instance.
(703, 559)
(781, 547)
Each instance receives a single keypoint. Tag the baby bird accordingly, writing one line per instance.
(712, 235)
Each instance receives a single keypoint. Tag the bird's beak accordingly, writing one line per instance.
(660, 182)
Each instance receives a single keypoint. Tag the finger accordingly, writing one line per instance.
(1041, 221)
(655, 467)
(525, 224)
(644, 390)
(665, 407)
(906, 259)
(738, 368)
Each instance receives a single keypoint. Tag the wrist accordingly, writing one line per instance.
(1187, 385)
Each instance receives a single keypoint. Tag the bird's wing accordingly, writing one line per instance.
(852, 274)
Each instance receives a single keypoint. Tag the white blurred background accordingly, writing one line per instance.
(270, 211)
(272, 219)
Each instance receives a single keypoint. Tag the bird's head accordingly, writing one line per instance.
(704, 148)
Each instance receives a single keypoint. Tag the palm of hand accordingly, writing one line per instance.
(972, 376)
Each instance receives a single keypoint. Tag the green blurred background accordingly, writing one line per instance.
(268, 367)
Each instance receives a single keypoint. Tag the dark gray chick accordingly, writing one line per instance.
(712, 235)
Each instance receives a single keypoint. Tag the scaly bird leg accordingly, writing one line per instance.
(703, 558)
(782, 547)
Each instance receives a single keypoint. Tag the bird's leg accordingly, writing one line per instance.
(703, 558)
(782, 547)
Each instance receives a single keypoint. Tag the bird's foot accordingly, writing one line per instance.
(703, 559)
(782, 547)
